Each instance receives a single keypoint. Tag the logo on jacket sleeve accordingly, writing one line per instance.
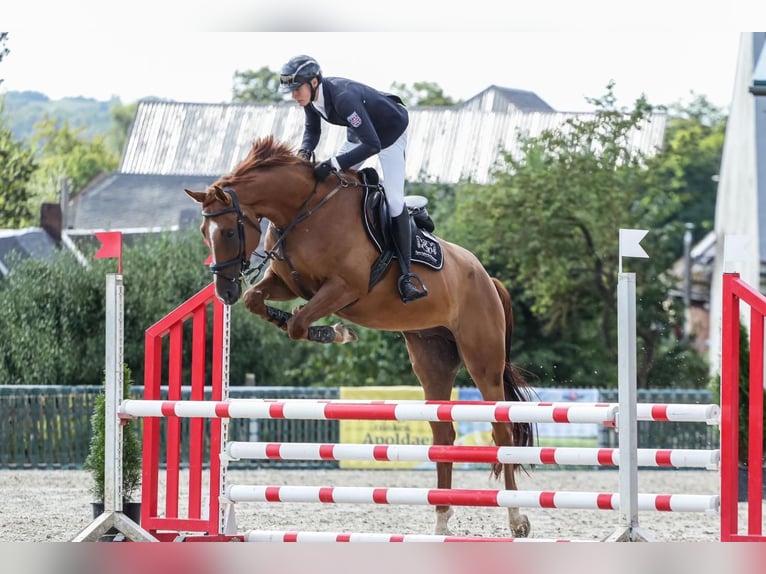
(354, 120)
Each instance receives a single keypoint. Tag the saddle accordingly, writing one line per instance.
(425, 249)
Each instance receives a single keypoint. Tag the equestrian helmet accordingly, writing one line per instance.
(298, 71)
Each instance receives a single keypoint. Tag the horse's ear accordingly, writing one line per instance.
(220, 194)
(198, 196)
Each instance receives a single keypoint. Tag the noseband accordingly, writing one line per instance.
(242, 258)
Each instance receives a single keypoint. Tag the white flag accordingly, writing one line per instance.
(630, 243)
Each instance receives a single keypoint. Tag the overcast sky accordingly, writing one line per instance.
(563, 64)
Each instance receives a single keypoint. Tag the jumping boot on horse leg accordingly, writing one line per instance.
(410, 286)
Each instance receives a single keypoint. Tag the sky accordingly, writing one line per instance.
(195, 58)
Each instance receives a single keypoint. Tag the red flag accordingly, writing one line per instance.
(111, 247)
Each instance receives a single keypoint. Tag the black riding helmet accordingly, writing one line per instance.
(299, 70)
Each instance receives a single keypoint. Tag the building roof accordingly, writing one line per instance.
(445, 144)
(28, 243)
(121, 201)
(173, 145)
(499, 99)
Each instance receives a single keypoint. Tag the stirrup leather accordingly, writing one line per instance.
(411, 287)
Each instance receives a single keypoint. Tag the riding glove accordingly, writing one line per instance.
(322, 171)
(305, 154)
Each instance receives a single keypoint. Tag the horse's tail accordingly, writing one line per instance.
(514, 384)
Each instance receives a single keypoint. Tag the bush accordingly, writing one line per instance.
(131, 448)
(52, 320)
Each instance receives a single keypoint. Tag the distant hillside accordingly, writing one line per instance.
(22, 110)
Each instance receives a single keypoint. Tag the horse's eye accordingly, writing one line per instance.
(229, 234)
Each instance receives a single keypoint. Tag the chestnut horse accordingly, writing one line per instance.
(319, 252)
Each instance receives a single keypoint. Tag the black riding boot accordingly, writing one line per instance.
(408, 282)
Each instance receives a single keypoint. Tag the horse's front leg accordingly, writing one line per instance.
(270, 288)
(333, 295)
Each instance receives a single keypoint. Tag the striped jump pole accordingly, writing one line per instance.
(469, 497)
(470, 411)
(313, 536)
(675, 458)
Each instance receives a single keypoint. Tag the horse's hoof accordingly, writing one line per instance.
(521, 529)
(442, 523)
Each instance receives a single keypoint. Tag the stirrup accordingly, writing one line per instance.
(414, 292)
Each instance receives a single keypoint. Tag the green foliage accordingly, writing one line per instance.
(122, 119)
(66, 153)
(25, 109)
(160, 272)
(376, 359)
(52, 320)
(689, 162)
(548, 227)
(260, 87)
(17, 165)
(131, 447)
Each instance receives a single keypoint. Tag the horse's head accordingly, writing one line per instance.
(232, 235)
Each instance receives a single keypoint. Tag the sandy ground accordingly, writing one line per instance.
(54, 505)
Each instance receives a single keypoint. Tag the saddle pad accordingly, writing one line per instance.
(426, 248)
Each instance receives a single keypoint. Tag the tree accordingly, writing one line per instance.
(548, 226)
(64, 153)
(122, 118)
(17, 166)
(690, 159)
(261, 87)
(422, 94)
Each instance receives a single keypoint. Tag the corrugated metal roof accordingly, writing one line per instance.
(445, 144)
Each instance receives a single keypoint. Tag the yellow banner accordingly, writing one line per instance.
(385, 432)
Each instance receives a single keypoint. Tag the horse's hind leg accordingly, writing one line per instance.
(484, 358)
(435, 361)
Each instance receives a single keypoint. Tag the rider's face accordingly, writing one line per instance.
(302, 94)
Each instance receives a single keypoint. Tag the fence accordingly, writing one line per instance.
(49, 426)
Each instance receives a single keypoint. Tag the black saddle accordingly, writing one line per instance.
(425, 250)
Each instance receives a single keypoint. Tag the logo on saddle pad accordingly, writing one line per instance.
(426, 249)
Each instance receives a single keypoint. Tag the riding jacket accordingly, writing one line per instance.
(374, 119)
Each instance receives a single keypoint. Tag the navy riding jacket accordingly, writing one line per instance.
(373, 118)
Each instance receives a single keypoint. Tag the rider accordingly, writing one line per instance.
(376, 123)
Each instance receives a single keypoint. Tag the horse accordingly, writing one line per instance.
(319, 252)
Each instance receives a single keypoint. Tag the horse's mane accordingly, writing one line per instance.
(266, 152)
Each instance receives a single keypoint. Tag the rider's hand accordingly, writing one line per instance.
(322, 171)
(305, 154)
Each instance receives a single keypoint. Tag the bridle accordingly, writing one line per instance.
(242, 258)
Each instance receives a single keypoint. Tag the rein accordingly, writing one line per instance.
(304, 212)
